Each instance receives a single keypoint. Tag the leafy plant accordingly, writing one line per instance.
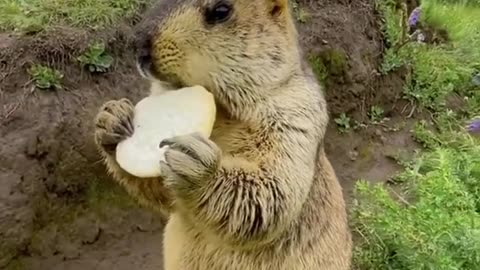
(343, 122)
(376, 114)
(45, 77)
(96, 58)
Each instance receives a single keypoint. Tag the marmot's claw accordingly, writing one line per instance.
(190, 158)
(114, 123)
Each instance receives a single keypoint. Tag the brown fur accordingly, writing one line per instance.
(259, 194)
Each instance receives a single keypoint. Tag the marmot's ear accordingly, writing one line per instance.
(277, 7)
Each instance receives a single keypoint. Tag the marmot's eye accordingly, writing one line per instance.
(219, 13)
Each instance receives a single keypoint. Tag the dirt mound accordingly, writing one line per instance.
(47, 156)
(345, 35)
(49, 218)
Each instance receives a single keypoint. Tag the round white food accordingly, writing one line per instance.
(159, 117)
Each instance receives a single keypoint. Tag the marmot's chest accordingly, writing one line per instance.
(236, 138)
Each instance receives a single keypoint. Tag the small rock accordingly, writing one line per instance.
(44, 242)
(125, 253)
(68, 250)
(88, 230)
(353, 155)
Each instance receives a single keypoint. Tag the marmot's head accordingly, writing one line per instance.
(235, 48)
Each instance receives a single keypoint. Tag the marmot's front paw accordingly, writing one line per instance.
(189, 159)
(113, 124)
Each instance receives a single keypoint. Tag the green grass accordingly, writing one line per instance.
(35, 15)
(432, 220)
(443, 70)
(435, 222)
(462, 2)
(454, 63)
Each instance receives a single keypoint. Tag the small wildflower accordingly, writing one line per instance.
(474, 126)
(421, 38)
(415, 17)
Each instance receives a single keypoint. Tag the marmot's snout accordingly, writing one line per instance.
(152, 64)
(154, 57)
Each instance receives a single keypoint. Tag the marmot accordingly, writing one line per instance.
(260, 193)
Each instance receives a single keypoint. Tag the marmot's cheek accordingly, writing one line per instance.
(196, 69)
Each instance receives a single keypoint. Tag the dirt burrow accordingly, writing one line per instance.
(48, 162)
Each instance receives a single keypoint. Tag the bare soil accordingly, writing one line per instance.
(58, 208)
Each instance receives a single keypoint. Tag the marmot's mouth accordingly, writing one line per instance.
(144, 67)
(147, 71)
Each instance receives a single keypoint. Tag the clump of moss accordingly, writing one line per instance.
(330, 64)
(318, 67)
(335, 61)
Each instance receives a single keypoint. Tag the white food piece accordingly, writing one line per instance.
(162, 116)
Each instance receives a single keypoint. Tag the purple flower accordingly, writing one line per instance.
(474, 126)
(415, 16)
